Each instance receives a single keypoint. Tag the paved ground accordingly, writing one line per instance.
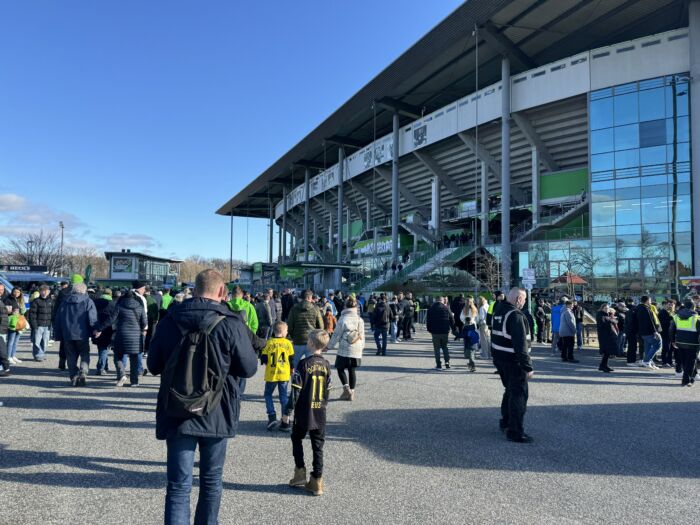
(416, 446)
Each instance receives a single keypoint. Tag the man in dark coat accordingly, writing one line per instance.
(440, 322)
(130, 324)
(76, 320)
(381, 318)
(287, 304)
(211, 432)
(63, 292)
(303, 318)
(4, 360)
(39, 317)
(458, 304)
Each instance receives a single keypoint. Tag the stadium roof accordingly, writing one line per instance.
(141, 255)
(441, 67)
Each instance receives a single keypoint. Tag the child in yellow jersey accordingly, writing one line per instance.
(277, 356)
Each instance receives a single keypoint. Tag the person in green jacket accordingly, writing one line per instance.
(165, 303)
(238, 304)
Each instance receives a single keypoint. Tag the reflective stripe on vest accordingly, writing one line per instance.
(500, 338)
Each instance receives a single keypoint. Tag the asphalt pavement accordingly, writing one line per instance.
(416, 446)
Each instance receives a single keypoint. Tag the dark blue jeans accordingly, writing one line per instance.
(212, 454)
(284, 397)
(380, 337)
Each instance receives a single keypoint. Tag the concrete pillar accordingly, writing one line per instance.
(330, 234)
(435, 206)
(395, 190)
(339, 255)
(307, 176)
(348, 240)
(279, 243)
(505, 173)
(484, 204)
(272, 232)
(284, 222)
(368, 224)
(694, 42)
(535, 186)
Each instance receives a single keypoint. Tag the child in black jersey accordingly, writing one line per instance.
(310, 387)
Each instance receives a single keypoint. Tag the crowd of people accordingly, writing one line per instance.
(205, 344)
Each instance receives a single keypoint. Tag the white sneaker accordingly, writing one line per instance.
(122, 381)
(632, 364)
(642, 364)
(12, 360)
(17, 361)
(679, 374)
(653, 366)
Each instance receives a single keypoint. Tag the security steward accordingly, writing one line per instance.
(498, 296)
(510, 345)
(685, 336)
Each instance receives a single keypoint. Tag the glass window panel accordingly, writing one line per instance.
(654, 180)
(602, 162)
(655, 209)
(682, 188)
(627, 212)
(604, 196)
(626, 159)
(602, 140)
(629, 240)
(658, 190)
(627, 137)
(629, 229)
(678, 153)
(652, 156)
(601, 113)
(652, 104)
(684, 238)
(602, 175)
(685, 259)
(604, 231)
(652, 133)
(655, 228)
(682, 131)
(603, 214)
(627, 193)
(626, 109)
(683, 176)
(608, 240)
(683, 227)
(682, 208)
(627, 183)
(604, 185)
(604, 262)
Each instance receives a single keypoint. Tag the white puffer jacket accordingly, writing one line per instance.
(350, 324)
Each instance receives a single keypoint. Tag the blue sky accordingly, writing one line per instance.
(133, 121)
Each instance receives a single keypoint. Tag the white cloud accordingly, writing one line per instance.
(117, 241)
(11, 202)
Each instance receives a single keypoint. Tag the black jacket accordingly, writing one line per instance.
(236, 355)
(4, 319)
(129, 320)
(645, 321)
(607, 335)
(382, 315)
(665, 319)
(62, 294)
(457, 306)
(517, 326)
(439, 319)
(105, 312)
(287, 305)
(40, 312)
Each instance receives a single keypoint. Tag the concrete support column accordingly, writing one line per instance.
(339, 255)
(368, 224)
(435, 206)
(307, 176)
(484, 204)
(284, 222)
(279, 243)
(329, 246)
(395, 190)
(535, 186)
(505, 174)
(348, 240)
(694, 42)
(272, 233)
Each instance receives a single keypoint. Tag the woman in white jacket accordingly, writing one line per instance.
(349, 335)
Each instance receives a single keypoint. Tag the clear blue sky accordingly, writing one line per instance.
(133, 121)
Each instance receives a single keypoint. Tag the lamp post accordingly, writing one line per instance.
(60, 224)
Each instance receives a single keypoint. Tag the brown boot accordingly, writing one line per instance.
(345, 396)
(299, 479)
(315, 486)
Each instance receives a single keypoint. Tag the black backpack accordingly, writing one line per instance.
(193, 379)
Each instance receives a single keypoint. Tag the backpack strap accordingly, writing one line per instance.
(213, 325)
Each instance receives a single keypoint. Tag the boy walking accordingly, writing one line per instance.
(310, 389)
(277, 356)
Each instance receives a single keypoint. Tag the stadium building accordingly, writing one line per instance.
(555, 135)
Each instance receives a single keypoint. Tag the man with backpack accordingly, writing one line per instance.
(200, 334)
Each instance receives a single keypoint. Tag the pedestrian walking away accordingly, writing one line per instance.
(349, 337)
(230, 345)
(440, 323)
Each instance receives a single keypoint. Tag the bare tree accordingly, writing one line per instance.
(76, 260)
(42, 249)
(488, 272)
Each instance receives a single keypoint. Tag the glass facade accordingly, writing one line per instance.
(640, 220)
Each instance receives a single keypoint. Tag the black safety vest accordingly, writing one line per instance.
(500, 338)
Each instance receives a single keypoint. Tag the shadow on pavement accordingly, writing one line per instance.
(604, 439)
